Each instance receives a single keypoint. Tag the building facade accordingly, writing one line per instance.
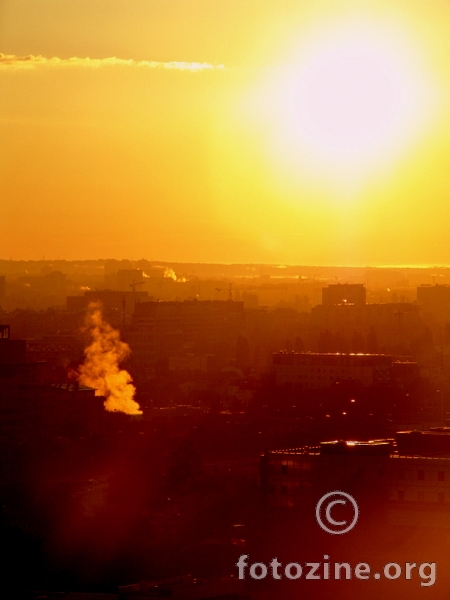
(320, 370)
(169, 329)
(376, 469)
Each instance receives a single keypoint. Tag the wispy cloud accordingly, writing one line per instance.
(31, 62)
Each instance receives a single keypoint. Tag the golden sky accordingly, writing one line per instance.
(314, 132)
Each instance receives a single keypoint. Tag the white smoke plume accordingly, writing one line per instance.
(101, 369)
(170, 274)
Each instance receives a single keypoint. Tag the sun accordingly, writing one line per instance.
(351, 99)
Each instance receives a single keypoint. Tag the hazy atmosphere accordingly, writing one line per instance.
(225, 131)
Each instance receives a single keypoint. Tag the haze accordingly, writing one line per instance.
(227, 131)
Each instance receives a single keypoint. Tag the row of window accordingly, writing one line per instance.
(323, 369)
(441, 497)
(299, 467)
(296, 466)
(420, 475)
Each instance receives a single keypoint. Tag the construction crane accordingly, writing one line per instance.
(135, 284)
(229, 289)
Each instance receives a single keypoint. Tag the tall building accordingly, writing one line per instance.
(15, 370)
(345, 323)
(435, 301)
(31, 406)
(40, 291)
(11, 351)
(393, 323)
(167, 329)
(432, 295)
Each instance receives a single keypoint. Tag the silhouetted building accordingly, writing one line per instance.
(15, 371)
(320, 370)
(434, 442)
(110, 300)
(367, 469)
(60, 348)
(393, 324)
(11, 351)
(344, 293)
(167, 329)
(39, 292)
(30, 405)
(68, 409)
(250, 300)
(435, 300)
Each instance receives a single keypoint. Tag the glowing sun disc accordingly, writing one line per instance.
(353, 98)
(350, 99)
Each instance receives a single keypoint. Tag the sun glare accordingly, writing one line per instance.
(351, 98)
(351, 101)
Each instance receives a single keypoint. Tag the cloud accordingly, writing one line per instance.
(31, 62)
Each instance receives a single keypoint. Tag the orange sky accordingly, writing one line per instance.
(225, 130)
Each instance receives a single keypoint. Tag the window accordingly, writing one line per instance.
(421, 475)
(441, 476)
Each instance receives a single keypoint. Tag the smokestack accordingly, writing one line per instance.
(101, 369)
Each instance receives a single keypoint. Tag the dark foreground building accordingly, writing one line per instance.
(413, 470)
